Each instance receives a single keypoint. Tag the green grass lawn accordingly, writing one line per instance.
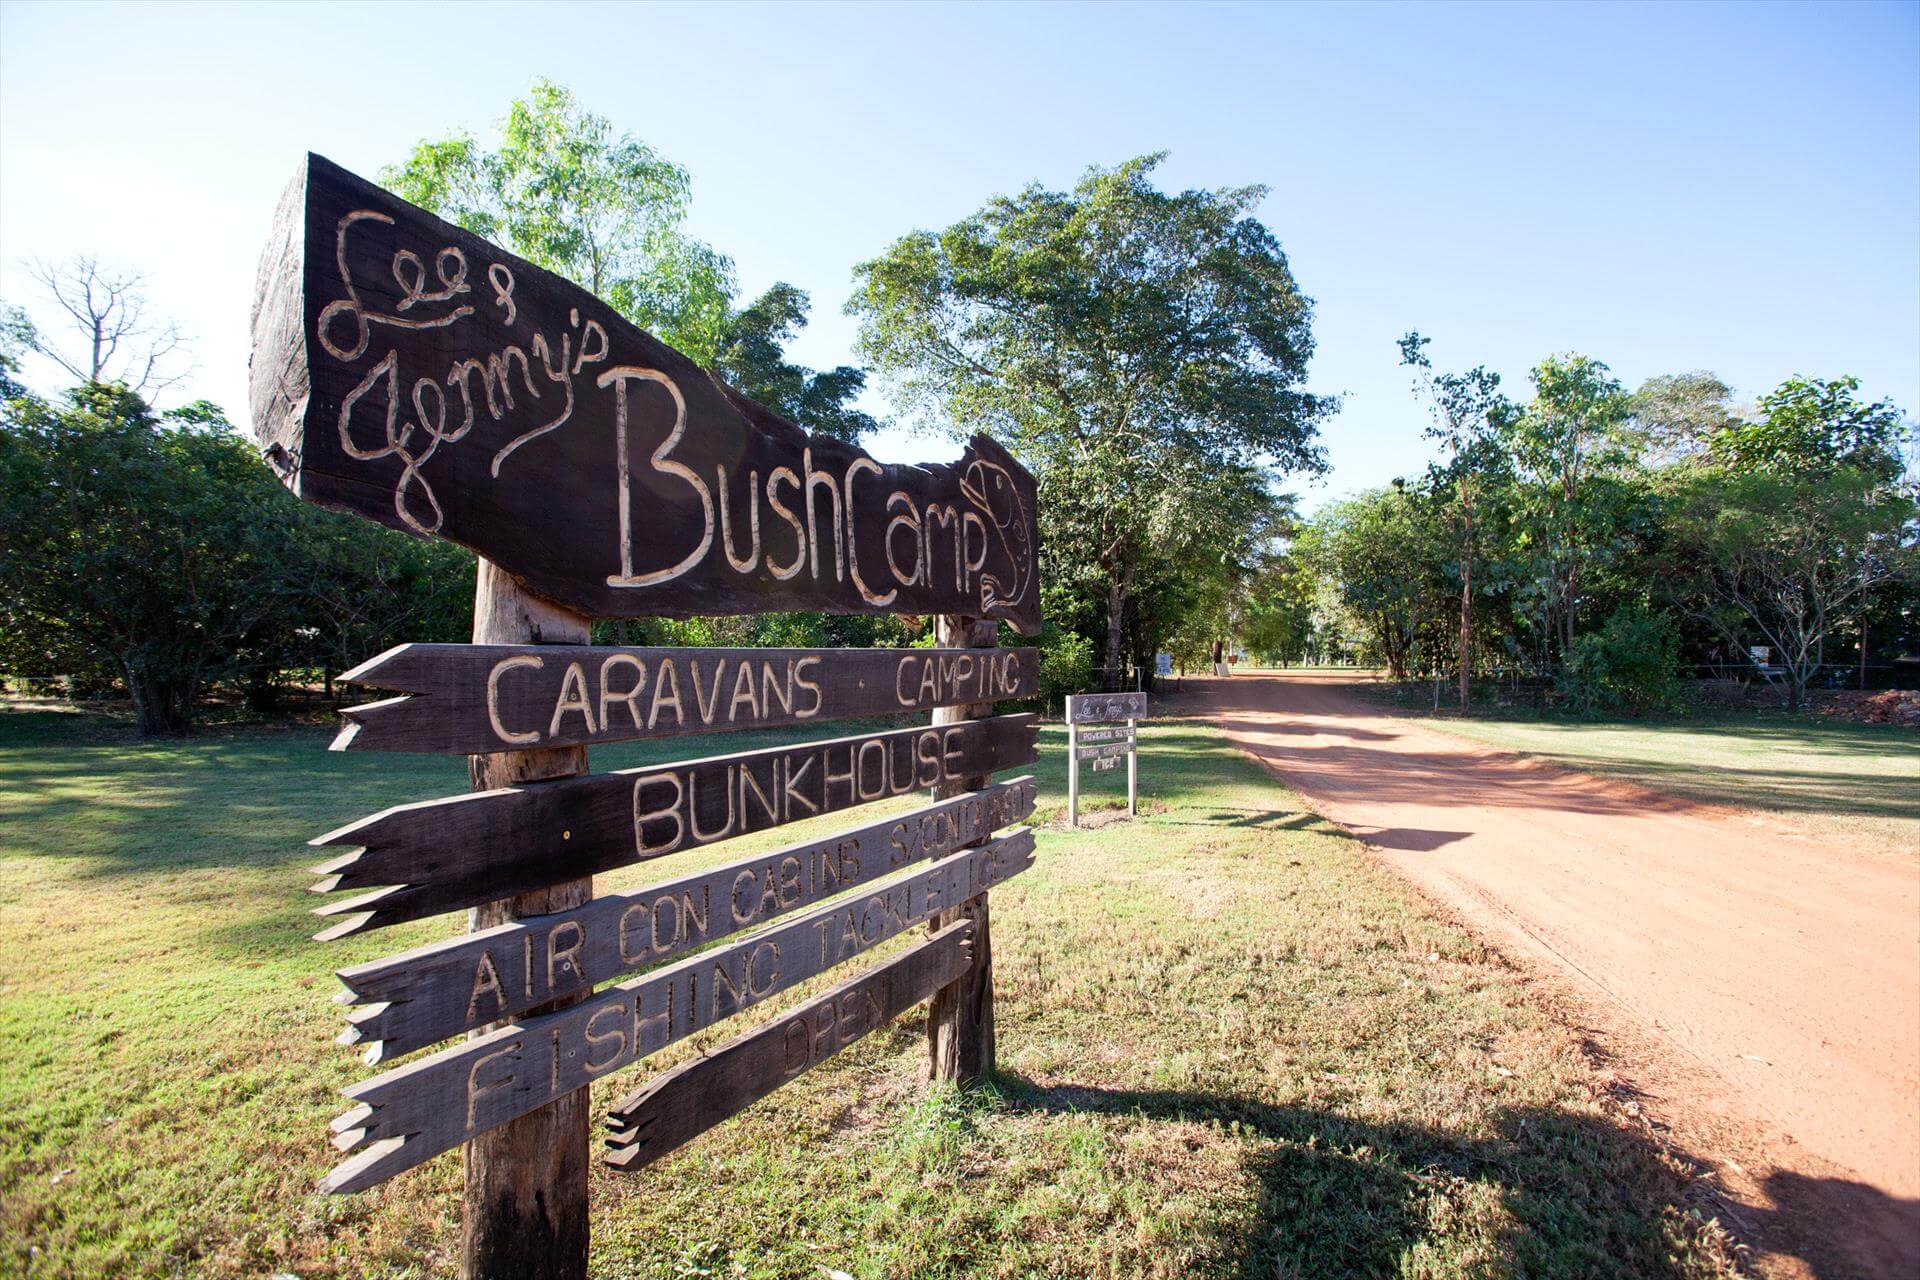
(1230, 1046)
(1815, 773)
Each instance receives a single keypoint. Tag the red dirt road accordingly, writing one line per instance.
(1780, 974)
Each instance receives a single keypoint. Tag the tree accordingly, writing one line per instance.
(753, 358)
(1210, 537)
(566, 192)
(1809, 426)
(1676, 415)
(118, 343)
(1113, 336)
(1470, 420)
(1819, 435)
(1384, 553)
(1785, 554)
(17, 337)
(1567, 437)
(150, 546)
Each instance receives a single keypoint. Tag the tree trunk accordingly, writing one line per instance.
(960, 1016)
(1466, 618)
(525, 1212)
(162, 705)
(1116, 631)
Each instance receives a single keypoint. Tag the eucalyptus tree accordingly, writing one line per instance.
(566, 191)
(1471, 418)
(753, 359)
(1117, 337)
(1567, 444)
(1676, 415)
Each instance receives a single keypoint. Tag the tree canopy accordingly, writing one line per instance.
(753, 358)
(1119, 338)
(566, 191)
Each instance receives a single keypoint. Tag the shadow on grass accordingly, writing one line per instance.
(1343, 1198)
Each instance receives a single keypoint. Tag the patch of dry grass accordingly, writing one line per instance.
(1230, 1046)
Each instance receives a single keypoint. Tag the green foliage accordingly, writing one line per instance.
(1676, 415)
(1066, 665)
(16, 339)
(160, 554)
(753, 359)
(1630, 664)
(1780, 557)
(566, 192)
(151, 549)
(1384, 551)
(1812, 425)
(1121, 340)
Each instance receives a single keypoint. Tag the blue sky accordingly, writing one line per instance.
(1728, 187)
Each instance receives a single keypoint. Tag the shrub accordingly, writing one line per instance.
(1630, 664)
(1066, 664)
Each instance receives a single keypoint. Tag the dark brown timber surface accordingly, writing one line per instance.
(681, 1104)
(439, 855)
(431, 993)
(415, 1111)
(408, 371)
(474, 698)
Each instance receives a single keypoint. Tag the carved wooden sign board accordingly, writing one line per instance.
(1101, 734)
(409, 372)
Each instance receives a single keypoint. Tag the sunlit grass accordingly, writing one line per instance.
(1813, 773)
(1230, 1045)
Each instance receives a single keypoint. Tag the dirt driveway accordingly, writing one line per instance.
(1761, 986)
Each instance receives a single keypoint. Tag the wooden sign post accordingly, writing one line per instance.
(960, 1020)
(409, 372)
(1102, 730)
(529, 1176)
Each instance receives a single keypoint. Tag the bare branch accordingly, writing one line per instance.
(107, 311)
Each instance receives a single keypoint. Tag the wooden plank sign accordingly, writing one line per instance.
(1100, 732)
(415, 1111)
(468, 699)
(1096, 708)
(683, 1103)
(408, 371)
(442, 855)
(440, 990)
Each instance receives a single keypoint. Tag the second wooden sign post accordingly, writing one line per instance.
(1102, 729)
(410, 373)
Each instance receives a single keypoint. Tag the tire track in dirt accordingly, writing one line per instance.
(1779, 975)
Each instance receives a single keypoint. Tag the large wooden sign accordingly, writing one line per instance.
(441, 855)
(438, 991)
(468, 699)
(410, 372)
(416, 1111)
(678, 1105)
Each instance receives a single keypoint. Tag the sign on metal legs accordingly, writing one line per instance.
(1102, 731)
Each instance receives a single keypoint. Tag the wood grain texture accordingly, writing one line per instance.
(431, 1105)
(474, 698)
(1103, 750)
(960, 1037)
(1098, 708)
(686, 1101)
(439, 855)
(408, 371)
(439, 990)
(524, 1214)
